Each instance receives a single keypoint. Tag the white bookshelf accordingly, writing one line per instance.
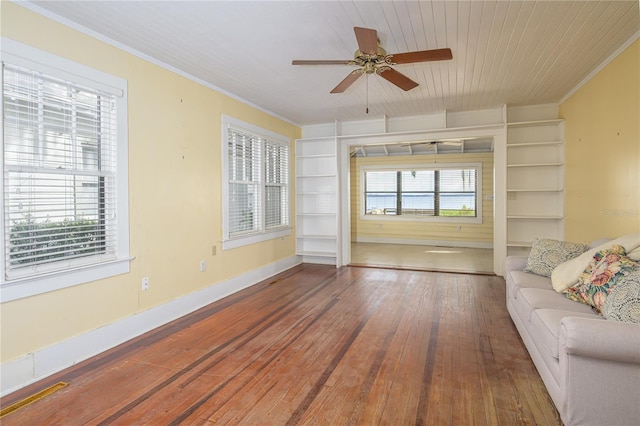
(535, 182)
(317, 209)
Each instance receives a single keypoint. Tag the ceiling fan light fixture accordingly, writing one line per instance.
(369, 68)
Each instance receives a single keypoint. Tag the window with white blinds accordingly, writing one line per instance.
(245, 214)
(60, 186)
(422, 192)
(276, 184)
(257, 185)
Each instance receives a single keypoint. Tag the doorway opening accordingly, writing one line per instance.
(422, 245)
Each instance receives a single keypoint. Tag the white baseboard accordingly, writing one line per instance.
(35, 366)
(322, 260)
(440, 243)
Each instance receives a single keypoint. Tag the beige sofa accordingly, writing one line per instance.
(590, 365)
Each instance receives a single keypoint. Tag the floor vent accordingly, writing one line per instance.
(31, 399)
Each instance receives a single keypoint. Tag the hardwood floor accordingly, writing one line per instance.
(315, 345)
(427, 258)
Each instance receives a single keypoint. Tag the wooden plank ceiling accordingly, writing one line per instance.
(504, 52)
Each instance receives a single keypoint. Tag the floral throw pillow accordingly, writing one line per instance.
(601, 276)
(546, 254)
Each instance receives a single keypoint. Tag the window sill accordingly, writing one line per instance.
(33, 286)
(246, 240)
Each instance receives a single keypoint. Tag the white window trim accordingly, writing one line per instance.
(243, 240)
(436, 219)
(20, 54)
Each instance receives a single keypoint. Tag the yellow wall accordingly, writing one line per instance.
(475, 233)
(174, 193)
(602, 139)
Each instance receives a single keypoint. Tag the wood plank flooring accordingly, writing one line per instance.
(315, 345)
(425, 258)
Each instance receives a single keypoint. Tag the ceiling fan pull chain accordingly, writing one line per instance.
(367, 95)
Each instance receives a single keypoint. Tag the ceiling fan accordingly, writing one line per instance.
(371, 58)
(455, 142)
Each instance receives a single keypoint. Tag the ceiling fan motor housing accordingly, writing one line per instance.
(369, 63)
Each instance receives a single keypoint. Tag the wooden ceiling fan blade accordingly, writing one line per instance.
(419, 56)
(348, 81)
(322, 62)
(451, 142)
(367, 40)
(399, 79)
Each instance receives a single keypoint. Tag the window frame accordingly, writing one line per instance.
(263, 234)
(414, 167)
(25, 56)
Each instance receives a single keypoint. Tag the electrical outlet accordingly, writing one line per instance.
(203, 265)
(145, 283)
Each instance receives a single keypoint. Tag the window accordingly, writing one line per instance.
(451, 192)
(64, 172)
(256, 176)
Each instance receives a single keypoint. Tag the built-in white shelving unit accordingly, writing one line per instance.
(528, 174)
(535, 182)
(317, 211)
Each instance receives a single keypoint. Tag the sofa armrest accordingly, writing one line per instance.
(599, 374)
(515, 263)
(594, 338)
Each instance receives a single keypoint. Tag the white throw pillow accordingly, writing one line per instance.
(566, 274)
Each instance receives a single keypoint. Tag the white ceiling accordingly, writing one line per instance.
(504, 52)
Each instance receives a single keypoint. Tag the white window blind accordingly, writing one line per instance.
(458, 192)
(276, 185)
(244, 183)
(258, 184)
(59, 173)
(421, 192)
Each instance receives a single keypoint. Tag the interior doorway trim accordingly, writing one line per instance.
(497, 132)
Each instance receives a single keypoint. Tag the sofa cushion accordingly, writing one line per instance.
(623, 303)
(601, 276)
(546, 254)
(545, 323)
(531, 299)
(523, 279)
